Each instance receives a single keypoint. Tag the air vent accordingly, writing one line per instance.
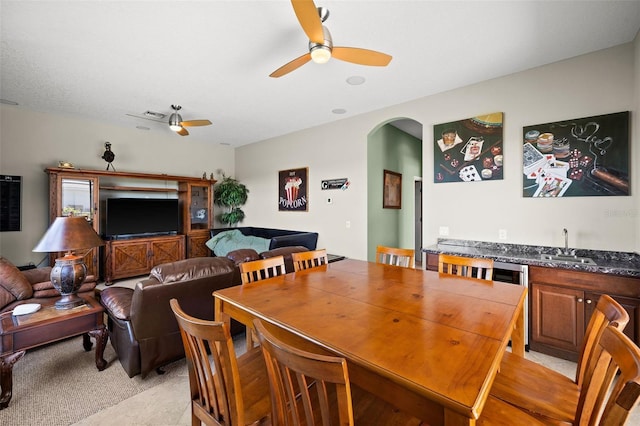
(153, 114)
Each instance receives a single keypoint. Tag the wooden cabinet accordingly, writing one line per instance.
(196, 200)
(136, 256)
(83, 192)
(562, 302)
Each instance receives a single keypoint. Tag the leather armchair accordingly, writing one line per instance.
(142, 327)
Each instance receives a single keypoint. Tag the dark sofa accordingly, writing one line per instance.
(278, 237)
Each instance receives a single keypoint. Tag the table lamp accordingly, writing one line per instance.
(67, 234)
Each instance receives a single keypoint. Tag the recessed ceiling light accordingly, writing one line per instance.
(339, 111)
(8, 102)
(225, 143)
(142, 128)
(355, 80)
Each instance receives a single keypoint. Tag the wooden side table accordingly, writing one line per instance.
(18, 334)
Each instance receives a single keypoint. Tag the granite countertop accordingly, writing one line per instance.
(607, 262)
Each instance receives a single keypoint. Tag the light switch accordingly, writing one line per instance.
(444, 231)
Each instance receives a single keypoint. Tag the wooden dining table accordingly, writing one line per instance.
(429, 343)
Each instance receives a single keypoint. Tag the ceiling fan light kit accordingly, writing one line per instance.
(321, 47)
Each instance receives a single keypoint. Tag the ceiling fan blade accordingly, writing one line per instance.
(191, 123)
(183, 132)
(146, 118)
(287, 68)
(361, 56)
(309, 19)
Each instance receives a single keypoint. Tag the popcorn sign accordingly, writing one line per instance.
(292, 186)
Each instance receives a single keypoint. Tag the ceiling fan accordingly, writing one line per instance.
(175, 120)
(321, 47)
(177, 125)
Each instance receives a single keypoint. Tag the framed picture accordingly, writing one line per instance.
(292, 190)
(580, 157)
(392, 190)
(468, 150)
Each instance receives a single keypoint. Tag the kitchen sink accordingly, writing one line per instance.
(567, 258)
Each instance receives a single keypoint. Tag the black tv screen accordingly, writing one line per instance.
(130, 217)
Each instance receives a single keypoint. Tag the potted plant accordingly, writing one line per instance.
(230, 194)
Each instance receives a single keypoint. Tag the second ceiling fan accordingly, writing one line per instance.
(178, 125)
(321, 47)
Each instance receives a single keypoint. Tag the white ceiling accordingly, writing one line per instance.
(104, 60)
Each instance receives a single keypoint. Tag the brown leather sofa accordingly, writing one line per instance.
(142, 327)
(31, 286)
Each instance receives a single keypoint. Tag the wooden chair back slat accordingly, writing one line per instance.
(306, 388)
(466, 266)
(262, 269)
(616, 359)
(395, 256)
(215, 392)
(537, 389)
(309, 259)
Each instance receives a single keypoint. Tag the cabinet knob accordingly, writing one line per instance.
(580, 300)
(588, 301)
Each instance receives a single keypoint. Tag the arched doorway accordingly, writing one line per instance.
(395, 145)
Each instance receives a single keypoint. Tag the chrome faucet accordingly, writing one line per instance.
(566, 251)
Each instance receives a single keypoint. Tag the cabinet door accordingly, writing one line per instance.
(557, 317)
(631, 305)
(197, 206)
(76, 195)
(127, 259)
(166, 250)
(196, 246)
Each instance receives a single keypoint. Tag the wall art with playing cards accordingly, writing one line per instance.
(581, 157)
(468, 150)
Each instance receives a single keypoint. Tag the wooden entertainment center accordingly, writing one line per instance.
(82, 192)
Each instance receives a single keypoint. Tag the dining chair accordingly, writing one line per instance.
(309, 259)
(395, 256)
(261, 269)
(309, 388)
(257, 270)
(471, 267)
(607, 396)
(545, 392)
(225, 390)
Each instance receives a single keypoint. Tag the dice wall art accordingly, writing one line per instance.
(576, 158)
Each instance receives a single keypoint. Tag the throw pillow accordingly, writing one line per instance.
(14, 281)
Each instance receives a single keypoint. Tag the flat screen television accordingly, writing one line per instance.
(136, 217)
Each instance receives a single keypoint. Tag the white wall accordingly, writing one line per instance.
(635, 131)
(599, 83)
(594, 84)
(31, 141)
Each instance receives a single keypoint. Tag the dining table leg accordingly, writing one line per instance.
(517, 336)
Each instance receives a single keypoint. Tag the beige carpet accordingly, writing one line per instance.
(59, 384)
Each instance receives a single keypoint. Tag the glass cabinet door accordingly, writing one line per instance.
(199, 207)
(73, 195)
(78, 198)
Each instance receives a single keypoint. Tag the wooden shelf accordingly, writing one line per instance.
(137, 188)
(131, 175)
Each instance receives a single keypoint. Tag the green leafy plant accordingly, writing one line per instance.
(230, 194)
